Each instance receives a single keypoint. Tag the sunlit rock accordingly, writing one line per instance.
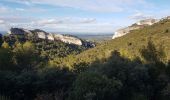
(138, 25)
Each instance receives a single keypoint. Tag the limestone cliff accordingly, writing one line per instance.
(40, 34)
(67, 39)
(137, 25)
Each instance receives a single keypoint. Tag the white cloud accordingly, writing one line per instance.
(20, 9)
(3, 25)
(30, 10)
(26, 2)
(84, 25)
(8, 11)
(163, 13)
(66, 20)
(88, 20)
(16, 19)
(66, 24)
(81, 28)
(90, 5)
(4, 9)
(141, 16)
(2, 21)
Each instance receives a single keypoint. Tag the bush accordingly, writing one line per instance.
(93, 86)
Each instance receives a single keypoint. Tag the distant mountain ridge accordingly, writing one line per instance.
(137, 25)
(41, 34)
(47, 45)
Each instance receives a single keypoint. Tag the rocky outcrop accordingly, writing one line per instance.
(50, 36)
(168, 17)
(124, 31)
(68, 39)
(147, 22)
(138, 25)
(17, 31)
(40, 34)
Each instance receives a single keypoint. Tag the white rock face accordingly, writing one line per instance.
(123, 31)
(168, 17)
(50, 37)
(41, 35)
(58, 36)
(27, 31)
(68, 39)
(138, 25)
(147, 22)
(44, 35)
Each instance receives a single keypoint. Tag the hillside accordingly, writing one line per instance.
(128, 45)
(138, 25)
(110, 71)
(47, 45)
(41, 34)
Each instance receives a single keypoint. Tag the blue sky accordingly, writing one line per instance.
(84, 16)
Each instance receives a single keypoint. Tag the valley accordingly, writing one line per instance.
(84, 50)
(34, 59)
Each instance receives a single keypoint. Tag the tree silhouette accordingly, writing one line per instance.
(151, 54)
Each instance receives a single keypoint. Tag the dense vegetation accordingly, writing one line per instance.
(128, 45)
(133, 67)
(46, 48)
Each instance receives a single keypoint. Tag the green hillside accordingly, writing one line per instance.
(128, 45)
(45, 48)
(133, 67)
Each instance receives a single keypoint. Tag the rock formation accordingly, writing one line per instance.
(147, 22)
(67, 39)
(124, 31)
(138, 25)
(17, 31)
(40, 34)
(168, 17)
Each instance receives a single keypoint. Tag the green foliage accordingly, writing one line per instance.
(4, 97)
(127, 68)
(47, 49)
(166, 93)
(5, 45)
(80, 68)
(128, 45)
(115, 78)
(6, 62)
(27, 85)
(93, 86)
(167, 31)
(53, 49)
(25, 56)
(152, 55)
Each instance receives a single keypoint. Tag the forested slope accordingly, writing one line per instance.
(129, 45)
(133, 67)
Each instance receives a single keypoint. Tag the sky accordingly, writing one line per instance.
(79, 16)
